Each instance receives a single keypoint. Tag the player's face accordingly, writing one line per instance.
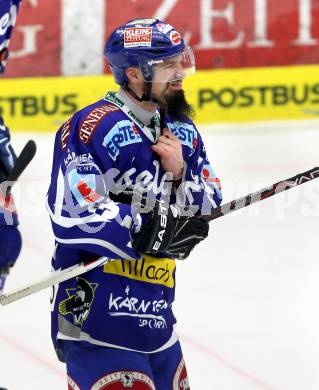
(170, 70)
(168, 77)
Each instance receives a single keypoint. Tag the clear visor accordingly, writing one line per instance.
(169, 69)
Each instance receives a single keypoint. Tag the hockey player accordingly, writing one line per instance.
(10, 239)
(129, 173)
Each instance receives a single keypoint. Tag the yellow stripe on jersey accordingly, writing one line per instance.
(147, 269)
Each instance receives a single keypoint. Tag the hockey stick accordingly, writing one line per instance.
(48, 281)
(21, 163)
(264, 193)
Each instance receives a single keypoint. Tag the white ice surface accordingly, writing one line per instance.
(247, 298)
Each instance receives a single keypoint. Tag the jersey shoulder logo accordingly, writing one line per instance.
(124, 133)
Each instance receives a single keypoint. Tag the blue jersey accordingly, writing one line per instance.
(10, 238)
(8, 16)
(126, 303)
(8, 215)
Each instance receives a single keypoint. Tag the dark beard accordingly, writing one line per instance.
(176, 105)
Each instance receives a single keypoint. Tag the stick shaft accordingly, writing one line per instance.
(20, 165)
(48, 281)
(23, 160)
(262, 194)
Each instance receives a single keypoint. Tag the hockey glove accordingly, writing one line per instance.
(189, 232)
(166, 230)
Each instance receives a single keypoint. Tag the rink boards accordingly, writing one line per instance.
(218, 96)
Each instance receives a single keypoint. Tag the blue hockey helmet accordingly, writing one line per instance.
(145, 43)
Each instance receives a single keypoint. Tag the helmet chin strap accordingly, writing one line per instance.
(146, 97)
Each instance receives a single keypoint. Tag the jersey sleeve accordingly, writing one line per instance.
(82, 214)
(8, 17)
(200, 186)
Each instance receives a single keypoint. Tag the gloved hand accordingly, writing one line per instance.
(189, 232)
(167, 230)
(7, 154)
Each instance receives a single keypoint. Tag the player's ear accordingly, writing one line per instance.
(133, 75)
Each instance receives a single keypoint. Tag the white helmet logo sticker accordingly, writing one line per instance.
(175, 37)
(164, 28)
